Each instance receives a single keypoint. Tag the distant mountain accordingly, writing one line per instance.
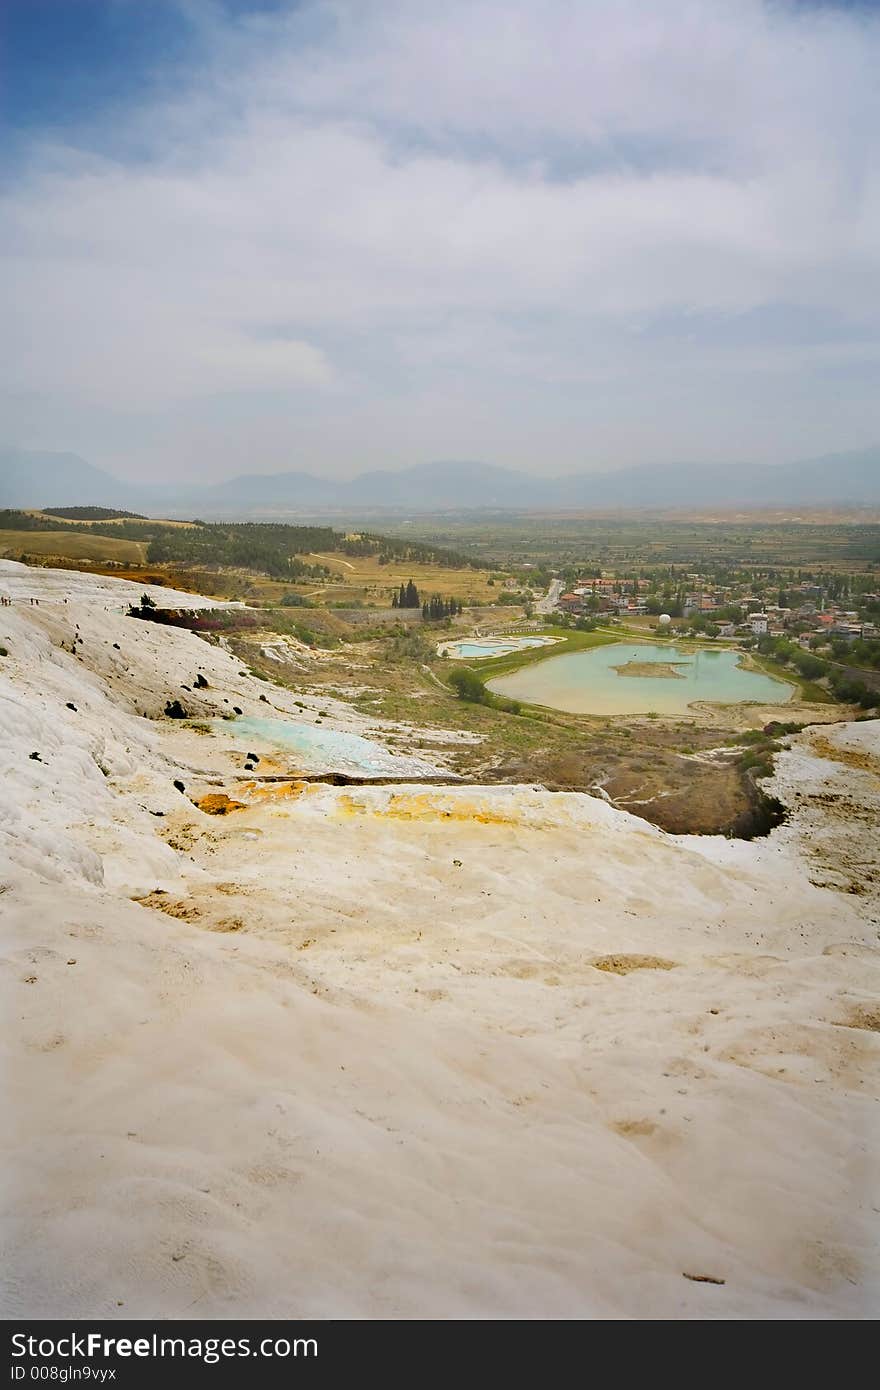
(268, 491)
(430, 486)
(32, 479)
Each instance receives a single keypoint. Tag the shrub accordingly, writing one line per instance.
(468, 686)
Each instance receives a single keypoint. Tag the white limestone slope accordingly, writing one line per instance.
(352, 1054)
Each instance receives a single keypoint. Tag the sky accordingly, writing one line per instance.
(247, 236)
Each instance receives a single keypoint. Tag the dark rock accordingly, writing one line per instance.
(174, 710)
(179, 785)
(117, 646)
(71, 705)
(263, 698)
(252, 757)
(200, 683)
(236, 710)
(36, 757)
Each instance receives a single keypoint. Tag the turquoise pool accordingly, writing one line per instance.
(321, 749)
(473, 649)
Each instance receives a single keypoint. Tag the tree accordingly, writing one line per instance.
(468, 686)
(146, 601)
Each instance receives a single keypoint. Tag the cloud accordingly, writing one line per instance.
(370, 233)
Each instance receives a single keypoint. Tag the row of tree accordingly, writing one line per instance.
(436, 608)
(407, 596)
(844, 683)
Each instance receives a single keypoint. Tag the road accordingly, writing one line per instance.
(548, 603)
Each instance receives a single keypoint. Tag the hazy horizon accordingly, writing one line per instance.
(259, 236)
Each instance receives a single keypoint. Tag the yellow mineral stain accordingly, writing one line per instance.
(420, 806)
(263, 792)
(219, 804)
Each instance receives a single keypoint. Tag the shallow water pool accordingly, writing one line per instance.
(322, 749)
(492, 646)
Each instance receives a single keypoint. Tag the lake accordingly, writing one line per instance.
(589, 683)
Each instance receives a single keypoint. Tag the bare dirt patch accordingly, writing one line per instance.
(862, 1016)
(624, 965)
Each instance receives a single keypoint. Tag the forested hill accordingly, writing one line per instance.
(91, 514)
(265, 547)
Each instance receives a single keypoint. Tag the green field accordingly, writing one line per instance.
(487, 668)
(71, 545)
(629, 543)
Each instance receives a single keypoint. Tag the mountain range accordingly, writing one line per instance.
(32, 479)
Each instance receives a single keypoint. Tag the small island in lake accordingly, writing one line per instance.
(664, 669)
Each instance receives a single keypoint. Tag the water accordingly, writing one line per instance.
(493, 646)
(587, 683)
(322, 749)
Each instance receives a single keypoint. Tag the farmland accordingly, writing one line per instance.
(630, 542)
(72, 545)
(364, 579)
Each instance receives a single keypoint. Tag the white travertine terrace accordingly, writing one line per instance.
(412, 1050)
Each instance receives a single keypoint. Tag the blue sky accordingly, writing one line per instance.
(249, 235)
(76, 61)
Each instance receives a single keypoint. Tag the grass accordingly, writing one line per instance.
(490, 667)
(809, 691)
(363, 580)
(69, 545)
